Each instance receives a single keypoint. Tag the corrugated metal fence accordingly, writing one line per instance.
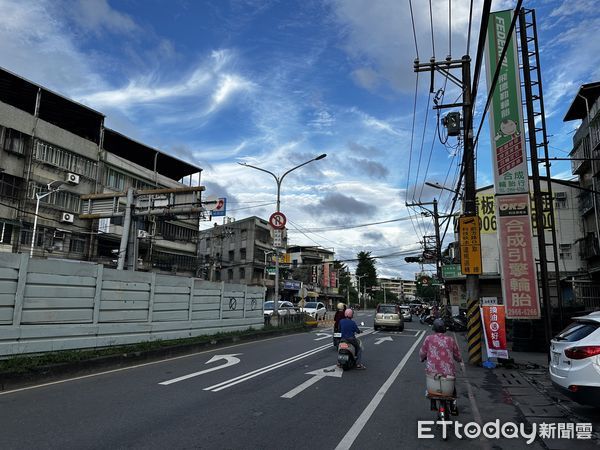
(48, 305)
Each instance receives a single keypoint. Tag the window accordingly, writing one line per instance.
(61, 199)
(120, 181)
(242, 274)
(5, 232)
(565, 251)
(243, 254)
(69, 161)
(561, 200)
(230, 274)
(243, 234)
(14, 141)
(174, 232)
(10, 186)
(77, 244)
(231, 255)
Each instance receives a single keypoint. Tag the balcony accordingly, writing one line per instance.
(586, 203)
(581, 155)
(588, 247)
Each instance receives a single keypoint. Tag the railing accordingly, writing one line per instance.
(586, 294)
(588, 246)
(586, 202)
(582, 155)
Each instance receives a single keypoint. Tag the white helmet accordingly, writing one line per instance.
(340, 306)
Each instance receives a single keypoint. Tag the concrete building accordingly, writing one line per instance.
(586, 165)
(405, 290)
(47, 139)
(237, 252)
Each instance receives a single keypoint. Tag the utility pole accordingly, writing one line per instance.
(470, 209)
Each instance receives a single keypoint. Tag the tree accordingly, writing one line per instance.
(345, 282)
(366, 266)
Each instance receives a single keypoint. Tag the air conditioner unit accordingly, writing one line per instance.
(142, 234)
(72, 178)
(560, 195)
(67, 217)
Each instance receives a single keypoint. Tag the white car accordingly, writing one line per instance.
(575, 364)
(315, 309)
(406, 314)
(283, 308)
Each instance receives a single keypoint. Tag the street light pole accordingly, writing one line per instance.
(38, 197)
(278, 180)
(358, 277)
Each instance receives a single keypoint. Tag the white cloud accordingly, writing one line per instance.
(98, 17)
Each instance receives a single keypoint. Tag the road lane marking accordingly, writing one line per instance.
(383, 339)
(362, 420)
(122, 369)
(331, 371)
(247, 376)
(230, 360)
(255, 373)
(323, 336)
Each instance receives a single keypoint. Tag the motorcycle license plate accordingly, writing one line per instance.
(336, 335)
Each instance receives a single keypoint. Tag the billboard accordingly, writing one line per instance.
(494, 327)
(486, 210)
(519, 280)
(470, 245)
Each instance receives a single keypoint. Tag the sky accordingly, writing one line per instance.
(275, 83)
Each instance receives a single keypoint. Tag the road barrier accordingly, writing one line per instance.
(474, 332)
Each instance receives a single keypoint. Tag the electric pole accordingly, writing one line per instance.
(469, 200)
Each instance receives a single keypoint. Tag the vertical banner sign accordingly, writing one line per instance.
(511, 180)
(519, 281)
(470, 245)
(333, 279)
(494, 327)
(313, 277)
(325, 275)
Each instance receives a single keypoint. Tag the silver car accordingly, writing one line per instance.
(389, 316)
(406, 314)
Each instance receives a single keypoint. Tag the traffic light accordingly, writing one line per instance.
(413, 259)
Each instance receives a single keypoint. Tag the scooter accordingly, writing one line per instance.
(457, 322)
(442, 396)
(346, 355)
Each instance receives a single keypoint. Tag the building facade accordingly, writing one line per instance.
(53, 151)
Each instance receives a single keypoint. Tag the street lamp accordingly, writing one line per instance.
(278, 180)
(443, 188)
(358, 277)
(53, 186)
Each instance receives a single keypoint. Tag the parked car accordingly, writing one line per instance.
(406, 314)
(315, 309)
(283, 308)
(575, 360)
(389, 316)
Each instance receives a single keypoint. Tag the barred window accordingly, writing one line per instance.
(13, 140)
(77, 244)
(6, 230)
(63, 200)
(10, 186)
(59, 157)
(120, 181)
(175, 232)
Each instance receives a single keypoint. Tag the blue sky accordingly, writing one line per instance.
(277, 82)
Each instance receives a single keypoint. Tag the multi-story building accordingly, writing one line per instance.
(585, 163)
(237, 252)
(54, 150)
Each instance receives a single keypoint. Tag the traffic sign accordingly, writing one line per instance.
(278, 220)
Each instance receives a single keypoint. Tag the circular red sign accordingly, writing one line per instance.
(278, 220)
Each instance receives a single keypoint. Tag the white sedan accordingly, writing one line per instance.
(575, 364)
(315, 309)
(283, 308)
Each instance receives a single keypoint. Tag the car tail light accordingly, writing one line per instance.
(582, 352)
(573, 388)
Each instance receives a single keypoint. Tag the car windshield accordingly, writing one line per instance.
(386, 309)
(311, 305)
(268, 305)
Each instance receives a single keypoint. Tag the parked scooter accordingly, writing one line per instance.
(457, 322)
(346, 355)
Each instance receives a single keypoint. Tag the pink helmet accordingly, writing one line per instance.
(349, 313)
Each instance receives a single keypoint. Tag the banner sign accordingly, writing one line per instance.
(325, 275)
(506, 113)
(519, 280)
(292, 285)
(494, 326)
(333, 279)
(470, 245)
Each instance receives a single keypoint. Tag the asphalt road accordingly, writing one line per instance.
(255, 395)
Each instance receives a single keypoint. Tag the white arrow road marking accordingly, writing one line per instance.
(230, 360)
(325, 336)
(331, 371)
(380, 340)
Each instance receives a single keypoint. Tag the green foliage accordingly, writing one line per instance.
(366, 266)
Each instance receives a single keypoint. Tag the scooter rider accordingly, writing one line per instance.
(339, 315)
(440, 351)
(349, 329)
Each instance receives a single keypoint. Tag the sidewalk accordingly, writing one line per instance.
(522, 392)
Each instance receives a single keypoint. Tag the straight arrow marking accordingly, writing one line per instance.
(380, 340)
(331, 371)
(230, 360)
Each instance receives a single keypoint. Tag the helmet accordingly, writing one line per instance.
(349, 313)
(439, 326)
(340, 306)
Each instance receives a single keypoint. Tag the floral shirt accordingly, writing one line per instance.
(440, 351)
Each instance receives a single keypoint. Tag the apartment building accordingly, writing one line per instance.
(585, 164)
(53, 150)
(237, 252)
